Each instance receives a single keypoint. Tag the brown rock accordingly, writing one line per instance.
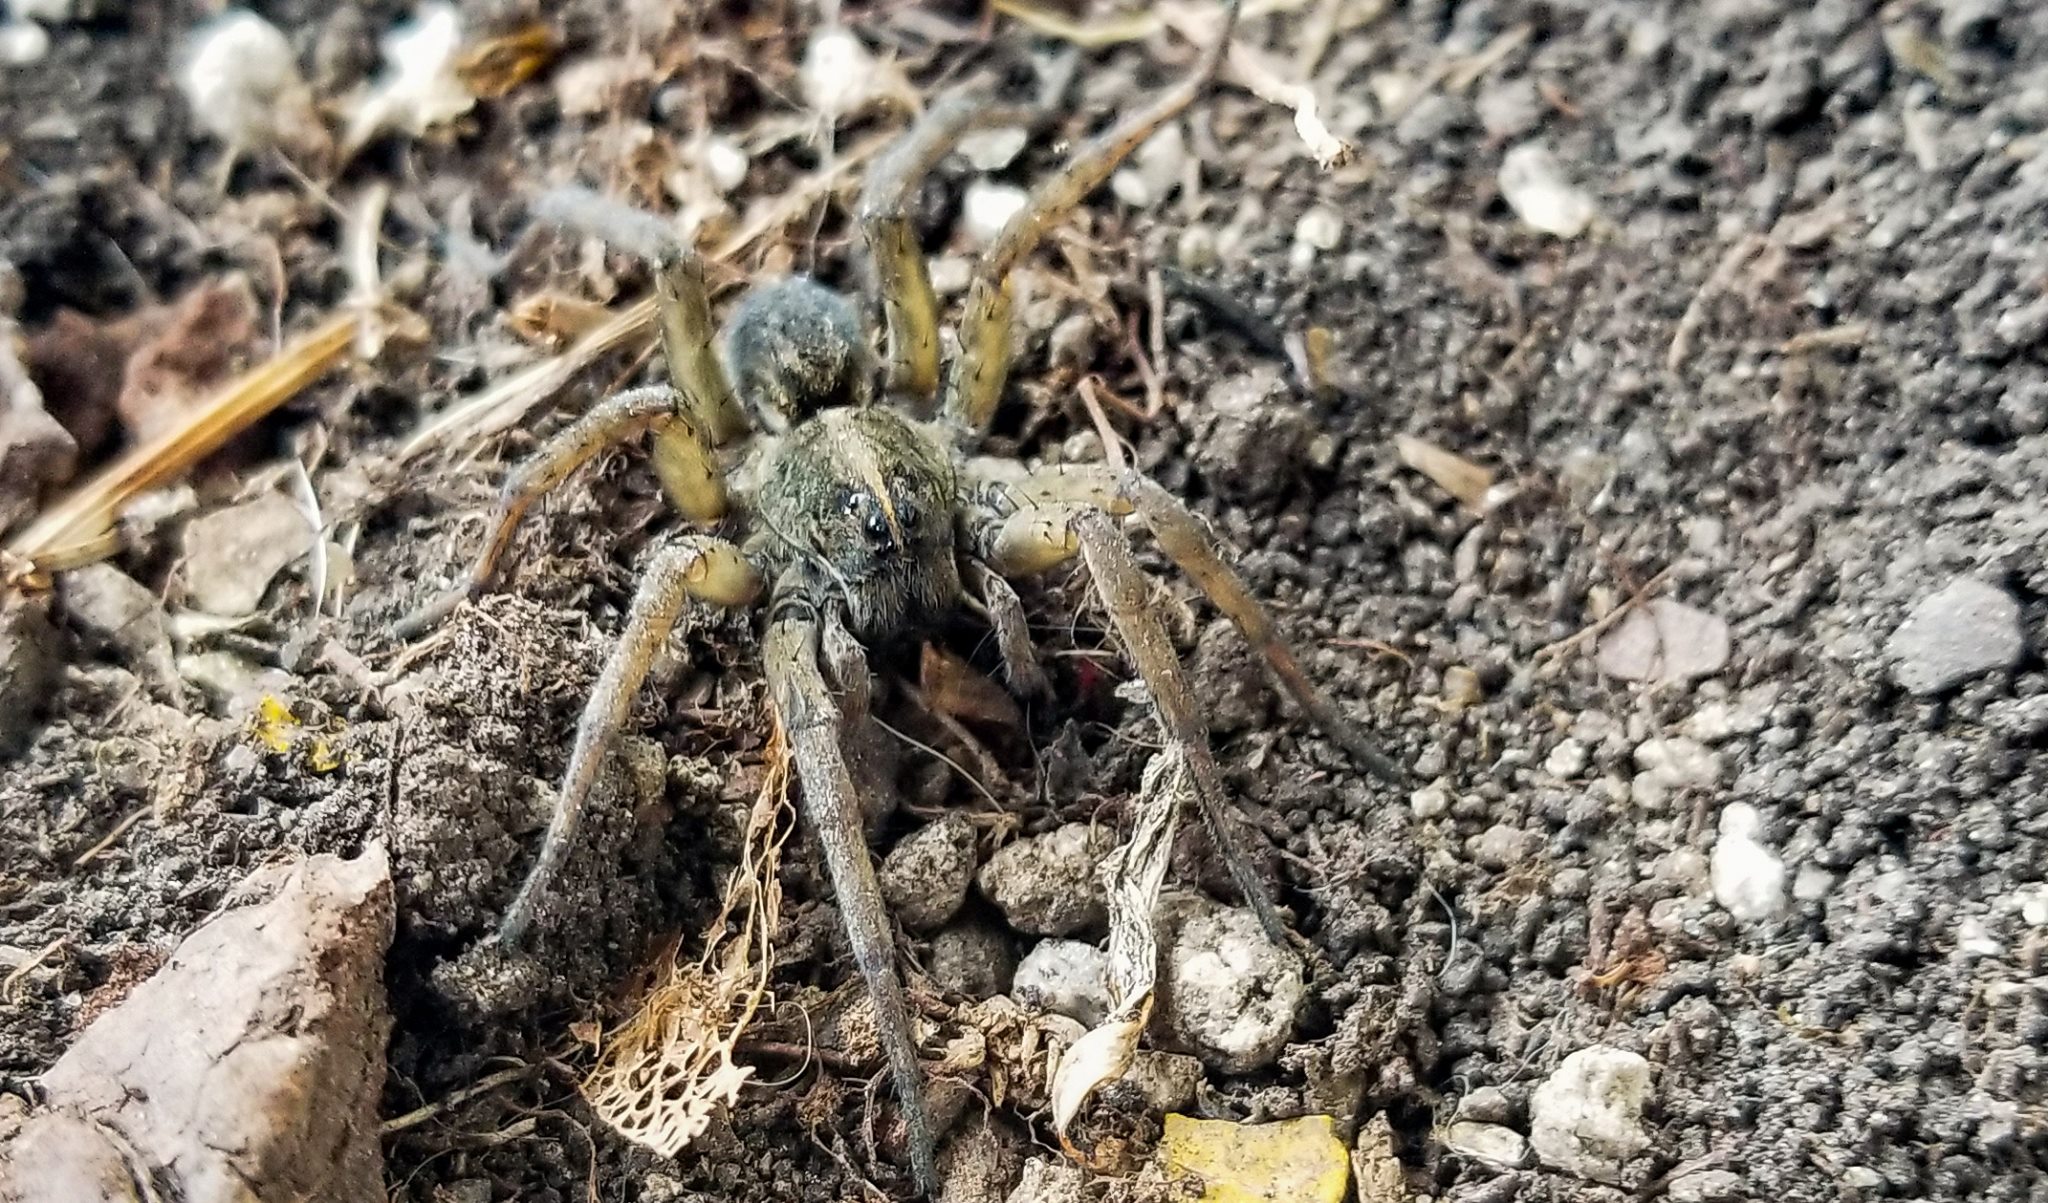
(246, 1070)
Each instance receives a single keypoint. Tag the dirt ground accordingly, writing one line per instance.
(1792, 374)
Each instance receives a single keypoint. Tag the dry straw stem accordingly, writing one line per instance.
(667, 1071)
(80, 529)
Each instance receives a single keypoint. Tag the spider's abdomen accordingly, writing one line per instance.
(861, 501)
(794, 349)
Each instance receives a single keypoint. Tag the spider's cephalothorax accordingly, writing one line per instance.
(862, 523)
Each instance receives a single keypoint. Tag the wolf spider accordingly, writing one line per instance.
(862, 520)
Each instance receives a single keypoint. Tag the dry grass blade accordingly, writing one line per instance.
(1454, 474)
(667, 1071)
(80, 529)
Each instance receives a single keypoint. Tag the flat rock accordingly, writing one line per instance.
(1965, 630)
(245, 1070)
(1587, 1117)
(1293, 1161)
(1666, 642)
(1493, 1144)
(972, 958)
(232, 555)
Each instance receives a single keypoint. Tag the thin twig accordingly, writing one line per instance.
(108, 840)
(1599, 627)
(420, 1115)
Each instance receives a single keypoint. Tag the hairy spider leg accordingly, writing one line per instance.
(1195, 550)
(689, 566)
(684, 462)
(813, 725)
(975, 383)
(683, 309)
(902, 283)
(1006, 617)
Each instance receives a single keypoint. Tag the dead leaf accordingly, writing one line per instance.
(497, 65)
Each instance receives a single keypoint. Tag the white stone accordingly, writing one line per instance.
(988, 207)
(1431, 801)
(2033, 903)
(1567, 760)
(1812, 883)
(23, 43)
(1491, 1143)
(1534, 186)
(1749, 879)
(242, 82)
(839, 75)
(1067, 978)
(1974, 939)
(993, 149)
(1587, 1117)
(1669, 765)
(1967, 629)
(1154, 169)
(1227, 993)
(420, 86)
(725, 164)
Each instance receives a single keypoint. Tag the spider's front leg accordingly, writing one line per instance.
(813, 725)
(698, 566)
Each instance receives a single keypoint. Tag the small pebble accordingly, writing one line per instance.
(1965, 630)
(1587, 1117)
(1491, 1143)
(232, 555)
(1047, 885)
(972, 959)
(1226, 993)
(1316, 233)
(31, 665)
(1535, 187)
(23, 43)
(1050, 1180)
(1154, 170)
(1668, 766)
(993, 149)
(1502, 846)
(1432, 801)
(925, 877)
(725, 164)
(1167, 1080)
(1748, 878)
(839, 75)
(1567, 760)
(1067, 978)
(1665, 641)
(988, 207)
(1706, 1186)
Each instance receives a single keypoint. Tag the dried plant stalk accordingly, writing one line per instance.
(80, 529)
(1133, 874)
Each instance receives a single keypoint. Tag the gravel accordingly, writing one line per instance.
(1226, 993)
(1067, 978)
(925, 877)
(1047, 885)
(1587, 1116)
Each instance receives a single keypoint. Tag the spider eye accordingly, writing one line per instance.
(852, 501)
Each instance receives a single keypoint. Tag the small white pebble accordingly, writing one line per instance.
(1749, 879)
(23, 43)
(2033, 902)
(951, 274)
(993, 149)
(1319, 229)
(988, 207)
(1812, 883)
(1566, 760)
(725, 163)
(242, 81)
(1974, 939)
(1195, 249)
(1534, 186)
(420, 87)
(1154, 170)
(1431, 801)
(838, 75)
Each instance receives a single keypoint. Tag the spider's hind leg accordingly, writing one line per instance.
(685, 464)
(976, 381)
(813, 725)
